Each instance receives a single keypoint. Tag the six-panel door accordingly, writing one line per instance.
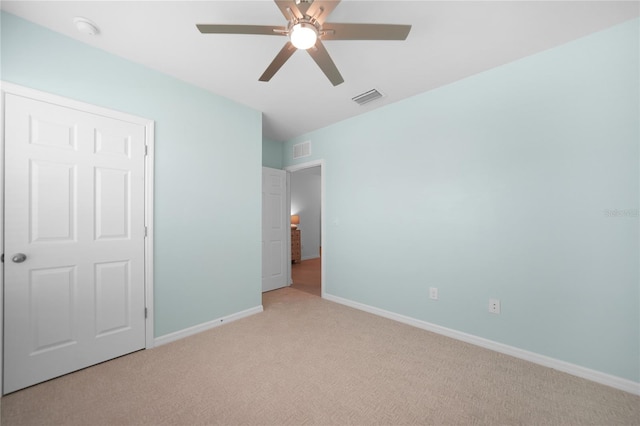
(74, 206)
(274, 229)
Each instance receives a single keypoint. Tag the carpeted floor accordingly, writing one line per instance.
(305, 360)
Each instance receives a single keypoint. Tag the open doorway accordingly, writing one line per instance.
(305, 195)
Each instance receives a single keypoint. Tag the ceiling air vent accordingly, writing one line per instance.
(367, 97)
(302, 149)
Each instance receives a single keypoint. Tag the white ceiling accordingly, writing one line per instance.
(449, 40)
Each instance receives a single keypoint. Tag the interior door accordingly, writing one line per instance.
(74, 240)
(274, 229)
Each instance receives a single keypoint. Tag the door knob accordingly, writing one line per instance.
(19, 258)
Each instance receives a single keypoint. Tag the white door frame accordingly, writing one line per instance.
(149, 125)
(302, 166)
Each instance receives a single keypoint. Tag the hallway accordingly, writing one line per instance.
(306, 276)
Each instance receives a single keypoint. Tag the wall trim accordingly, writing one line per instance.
(149, 179)
(181, 334)
(2, 240)
(566, 367)
(310, 257)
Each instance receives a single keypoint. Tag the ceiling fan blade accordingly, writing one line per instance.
(322, 8)
(365, 31)
(278, 61)
(303, 6)
(241, 29)
(288, 7)
(321, 56)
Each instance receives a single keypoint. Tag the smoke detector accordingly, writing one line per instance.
(85, 26)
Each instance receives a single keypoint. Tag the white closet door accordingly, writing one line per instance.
(74, 240)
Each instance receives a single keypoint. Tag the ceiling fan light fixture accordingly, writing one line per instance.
(303, 35)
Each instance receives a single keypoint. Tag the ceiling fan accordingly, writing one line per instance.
(306, 29)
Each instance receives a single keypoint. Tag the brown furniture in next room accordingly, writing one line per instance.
(296, 252)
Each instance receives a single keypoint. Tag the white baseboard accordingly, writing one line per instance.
(181, 334)
(309, 257)
(566, 367)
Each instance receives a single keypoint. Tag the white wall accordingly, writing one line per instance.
(305, 201)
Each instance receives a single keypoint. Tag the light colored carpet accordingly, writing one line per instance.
(309, 361)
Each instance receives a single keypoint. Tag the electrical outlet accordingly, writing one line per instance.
(494, 306)
(433, 293)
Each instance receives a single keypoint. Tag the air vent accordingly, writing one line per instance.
(367, 97)
(303, 149)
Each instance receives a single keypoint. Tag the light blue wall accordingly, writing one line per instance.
(207, 231)
(272, 152)
(502, 186)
